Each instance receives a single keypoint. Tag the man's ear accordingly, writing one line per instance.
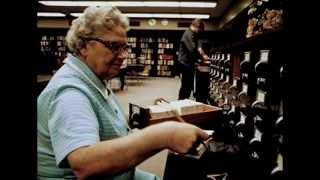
(84, 52)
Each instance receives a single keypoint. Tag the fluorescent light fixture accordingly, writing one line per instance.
(50, 14)
(193, 16)
(150, 15)
(178, 16)
(132, 3)
(76, 14)
(74, 3)
(146, 15)
(160, 4)
(125, 3)
(198, 4)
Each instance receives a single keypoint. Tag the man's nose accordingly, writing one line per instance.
(122, 54)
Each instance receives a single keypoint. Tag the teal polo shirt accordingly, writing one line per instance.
(76, 110)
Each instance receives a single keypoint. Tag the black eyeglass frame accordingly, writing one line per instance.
(115, 47)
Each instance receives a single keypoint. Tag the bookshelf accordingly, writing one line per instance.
(53, 50)
(151, 53)
(165, 57)
(131, 58)
(156, 54)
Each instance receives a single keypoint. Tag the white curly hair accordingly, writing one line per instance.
(94, 21)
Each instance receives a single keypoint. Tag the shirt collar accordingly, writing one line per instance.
(86, 71)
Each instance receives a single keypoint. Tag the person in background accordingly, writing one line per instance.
(189, 53)
(123, 71)
(82, 131)
(202, 78)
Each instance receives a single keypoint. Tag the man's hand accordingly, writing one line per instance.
(181, 136)
(203, 54)
(205, 57)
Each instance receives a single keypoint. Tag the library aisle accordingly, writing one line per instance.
(148, 91)
(226, 61)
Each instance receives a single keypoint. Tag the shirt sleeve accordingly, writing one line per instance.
(200, 43)
(188, 42)
(143, 175)
(72, 124)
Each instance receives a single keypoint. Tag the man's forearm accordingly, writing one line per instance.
(118, 155)
(203, 54)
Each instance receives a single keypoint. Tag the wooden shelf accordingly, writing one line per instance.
(265, 40)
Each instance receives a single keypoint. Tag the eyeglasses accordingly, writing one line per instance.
(115, 47)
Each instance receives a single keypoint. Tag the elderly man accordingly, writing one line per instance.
(82, 131)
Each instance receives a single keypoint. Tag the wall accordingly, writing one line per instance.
(228, 16)
(53, 23)
(234, 11)
(144, 24)
(172, 25)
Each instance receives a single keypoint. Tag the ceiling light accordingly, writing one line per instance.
(50, 14)
(131, 3)
(150, 15)
(193, 16)
(160, 4)
(199, 4)
(76, 14)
